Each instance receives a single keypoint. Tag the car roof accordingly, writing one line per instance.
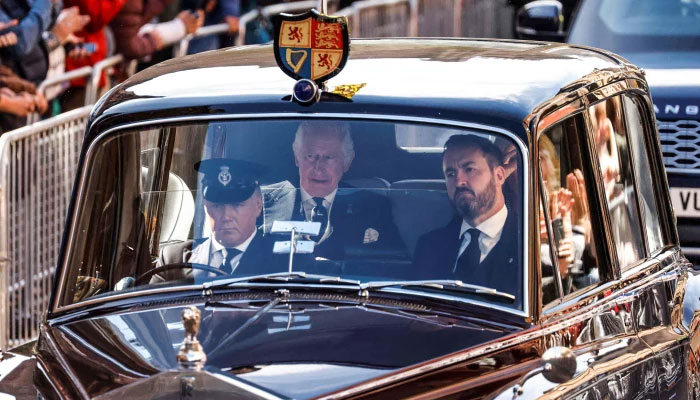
(493, 82)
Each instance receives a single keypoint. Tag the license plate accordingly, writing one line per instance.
(686, 202)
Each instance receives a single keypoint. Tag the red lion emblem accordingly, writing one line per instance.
(295, 33)
(325, 60)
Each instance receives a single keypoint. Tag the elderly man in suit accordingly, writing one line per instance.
(232, 203)
(354, 222)
(481, 245)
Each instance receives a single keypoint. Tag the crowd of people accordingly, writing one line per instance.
(42, 39)
(568, 204)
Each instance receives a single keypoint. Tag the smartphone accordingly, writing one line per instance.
(558, 228)
(89, 47)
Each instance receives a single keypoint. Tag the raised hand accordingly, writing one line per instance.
(69, 21)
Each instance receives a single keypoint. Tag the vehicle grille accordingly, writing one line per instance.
(680, 144)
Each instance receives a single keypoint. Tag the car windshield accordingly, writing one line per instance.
(371, 203)
(633, 26)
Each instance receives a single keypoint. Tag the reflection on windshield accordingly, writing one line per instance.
(388, 202)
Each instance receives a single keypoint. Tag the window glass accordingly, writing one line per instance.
(185, 204)
(568, 204)
(649, 208)
(612, 148)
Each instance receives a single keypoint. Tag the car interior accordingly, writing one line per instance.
(410, 177)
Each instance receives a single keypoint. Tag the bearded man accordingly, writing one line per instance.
(480, 246)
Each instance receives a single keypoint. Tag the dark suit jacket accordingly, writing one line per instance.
(257, 259)
(353, 212)
(436, 255)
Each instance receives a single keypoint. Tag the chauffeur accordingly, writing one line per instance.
(351, 219)
(479, 245)
(232, 203)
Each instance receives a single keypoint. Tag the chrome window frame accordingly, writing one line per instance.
(57, 308)
(623, 83)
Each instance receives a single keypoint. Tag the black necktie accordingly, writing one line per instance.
(472, 254)
(320, 214)
(230, 254)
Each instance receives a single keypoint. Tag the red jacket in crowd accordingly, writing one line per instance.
(101, 12)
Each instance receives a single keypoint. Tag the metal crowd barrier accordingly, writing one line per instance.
(487, 18)
(429, 18)
(180, 49)
(58, 80)
(439, 18)
(267, 12)
(38, 164)
(93, 85)
(382, 18)
(93, 79)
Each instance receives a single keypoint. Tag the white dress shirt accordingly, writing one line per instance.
(308, 204)
(491, 230)
(218, 252)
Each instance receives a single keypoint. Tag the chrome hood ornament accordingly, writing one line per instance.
(191, 355)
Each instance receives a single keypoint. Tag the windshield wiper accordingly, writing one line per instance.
(303, 277)
(448, 285)
(285, 277)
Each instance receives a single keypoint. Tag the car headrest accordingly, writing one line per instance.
(178, 209)
(369, 183)
(419, 206)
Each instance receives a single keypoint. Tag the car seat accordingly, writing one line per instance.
(419, 206)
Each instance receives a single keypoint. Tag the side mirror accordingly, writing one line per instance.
(558, 364)
(541, 20)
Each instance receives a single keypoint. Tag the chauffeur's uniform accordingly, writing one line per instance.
(225, 181)
(360, 222)
(255, 258)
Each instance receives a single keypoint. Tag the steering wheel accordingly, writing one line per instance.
(181, 265)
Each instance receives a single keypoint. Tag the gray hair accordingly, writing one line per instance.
(327, 126)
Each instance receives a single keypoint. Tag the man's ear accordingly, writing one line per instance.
(349, 161)
(500, 174)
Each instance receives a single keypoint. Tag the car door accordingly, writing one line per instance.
(655, 315)
(585, 290)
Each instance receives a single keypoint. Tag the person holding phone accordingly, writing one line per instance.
(88, 46)
(217, 11)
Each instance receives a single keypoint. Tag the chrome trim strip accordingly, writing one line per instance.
(398, 118)
(684, 171)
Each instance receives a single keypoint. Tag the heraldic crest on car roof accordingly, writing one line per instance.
(311, 48)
